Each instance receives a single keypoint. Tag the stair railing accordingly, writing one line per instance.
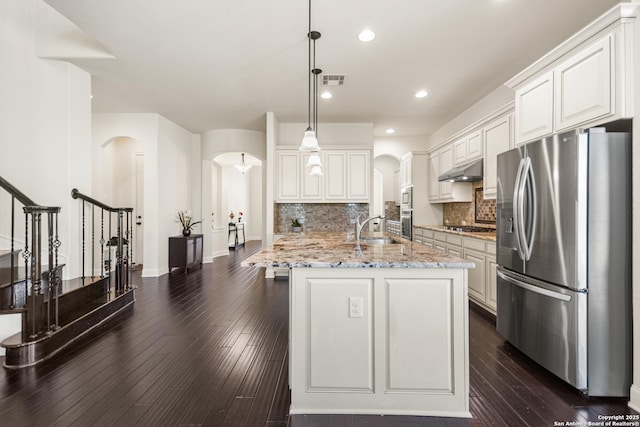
(38, 320)
(122, 239)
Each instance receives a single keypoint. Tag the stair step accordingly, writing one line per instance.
(103, 308)
(67, 287)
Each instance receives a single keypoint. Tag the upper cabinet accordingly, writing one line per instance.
(406, 170)
(346, 177)
(584, 87)
(441, 161)
(584, 82)
(534, 109)
(497, 137)
(468, 148)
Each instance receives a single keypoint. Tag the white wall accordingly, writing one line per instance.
(398, 146)
(45, 123)
(174, 188)
(45, 126)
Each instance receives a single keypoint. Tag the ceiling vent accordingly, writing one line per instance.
(333, 79)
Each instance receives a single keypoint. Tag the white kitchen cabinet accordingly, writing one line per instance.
(497, 139)
(446, 163)
(358, 182)
(406, 169)
(534, 109)
(482, 279)
(335, 175)
(584, 85)
(475, 148)
(584, 82)
(441, 192)
(468, 148)
(311, 184)
(288, 176)
(460, 151)
(346, 177)
(434, 170)
(477, 276)
(492, 285)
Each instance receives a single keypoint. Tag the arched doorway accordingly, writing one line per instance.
(122, 185)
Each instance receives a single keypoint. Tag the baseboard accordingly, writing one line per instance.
(151, 272)
(207, 259)
(220, 253)
(634, 398)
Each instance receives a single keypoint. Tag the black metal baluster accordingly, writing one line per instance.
(25, 256)
(93, 248)
(129, 247)
(36, 272)
(110, 246)
(58, 279)
(51, 275)
(101, 243)
(83, 227)
(13, 274)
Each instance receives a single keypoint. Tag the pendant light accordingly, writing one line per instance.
(314, 159)
(310, 140)
(243, 167)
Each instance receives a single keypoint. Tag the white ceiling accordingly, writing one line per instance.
(214, 64)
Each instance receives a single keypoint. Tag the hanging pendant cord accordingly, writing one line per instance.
(315, 90)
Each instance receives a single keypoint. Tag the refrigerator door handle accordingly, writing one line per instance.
(528, 178)
(532, 288)
(517, 206)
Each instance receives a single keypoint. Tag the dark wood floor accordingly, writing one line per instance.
(210, 349)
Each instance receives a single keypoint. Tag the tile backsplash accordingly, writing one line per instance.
(317, 216)
(478, 211)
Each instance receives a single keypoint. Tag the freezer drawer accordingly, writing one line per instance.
(546, 322)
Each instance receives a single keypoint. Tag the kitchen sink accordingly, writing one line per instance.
(378, 241)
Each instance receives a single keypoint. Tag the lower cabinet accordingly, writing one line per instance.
(482, 279)
(477, 280)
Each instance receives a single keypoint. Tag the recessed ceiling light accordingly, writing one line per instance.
(326, 95)
(421, 94)
(366, 36)
(390, 131)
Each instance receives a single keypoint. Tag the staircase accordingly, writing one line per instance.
(57, 312)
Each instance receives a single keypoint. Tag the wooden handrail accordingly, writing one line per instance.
(78, 195)
(19, 195)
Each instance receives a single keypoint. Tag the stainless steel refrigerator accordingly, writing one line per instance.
(564, 253)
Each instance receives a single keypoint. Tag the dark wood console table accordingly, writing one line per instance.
(185, 252)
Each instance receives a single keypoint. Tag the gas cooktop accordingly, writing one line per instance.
(469, 228)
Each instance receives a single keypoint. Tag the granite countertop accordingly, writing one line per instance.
(490, 235)
(338, 250)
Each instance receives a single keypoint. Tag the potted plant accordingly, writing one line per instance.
(186, 220)
(296, 227)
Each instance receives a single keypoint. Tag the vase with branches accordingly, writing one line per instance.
(186, 219)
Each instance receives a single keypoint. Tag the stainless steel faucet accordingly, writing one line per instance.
(359, 228)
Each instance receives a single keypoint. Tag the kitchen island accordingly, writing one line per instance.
(384, 332)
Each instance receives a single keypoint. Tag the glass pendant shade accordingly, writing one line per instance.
(309, 141)
(316, 170)
(314, 160)
(243, 167)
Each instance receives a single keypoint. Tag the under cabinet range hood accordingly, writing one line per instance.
(464, 173)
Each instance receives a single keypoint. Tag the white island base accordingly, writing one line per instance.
(379, 341)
